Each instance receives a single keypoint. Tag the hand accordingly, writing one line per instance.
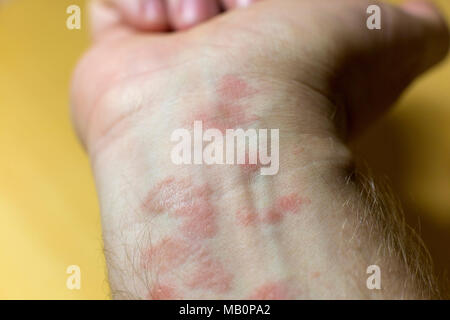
(309, 68)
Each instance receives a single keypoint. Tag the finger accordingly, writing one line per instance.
(184, 14)
(103, 19)
(435, 33)
(232, 4)
(147, 15)
(377, 65)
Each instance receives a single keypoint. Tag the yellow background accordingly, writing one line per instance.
(49, 216)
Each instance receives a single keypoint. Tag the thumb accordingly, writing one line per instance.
(435, 35)
(377, 65)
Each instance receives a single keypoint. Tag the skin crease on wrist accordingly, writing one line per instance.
(223, 231)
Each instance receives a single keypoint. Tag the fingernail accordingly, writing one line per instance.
(243, 3)
(420, 8)
(189, 10)
(153, 10)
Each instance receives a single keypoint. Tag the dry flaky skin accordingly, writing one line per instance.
(225, 231)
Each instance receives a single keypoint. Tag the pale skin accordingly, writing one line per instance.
(307, 67)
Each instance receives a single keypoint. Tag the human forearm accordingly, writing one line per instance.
(226, 231)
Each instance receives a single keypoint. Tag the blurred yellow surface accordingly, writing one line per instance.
(411, 148)
(49, 216)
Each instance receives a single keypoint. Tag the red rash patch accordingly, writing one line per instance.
(225, 116)
(162, 292)
(291, 202)
(181, 199)
(250, 168)
(274, 214)
(270, 291)
(284, 205)
(171, 194)
(210, 275)
(201, 221)
(247, 217)
(233, 88)
(167, 254)
(227, 112)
